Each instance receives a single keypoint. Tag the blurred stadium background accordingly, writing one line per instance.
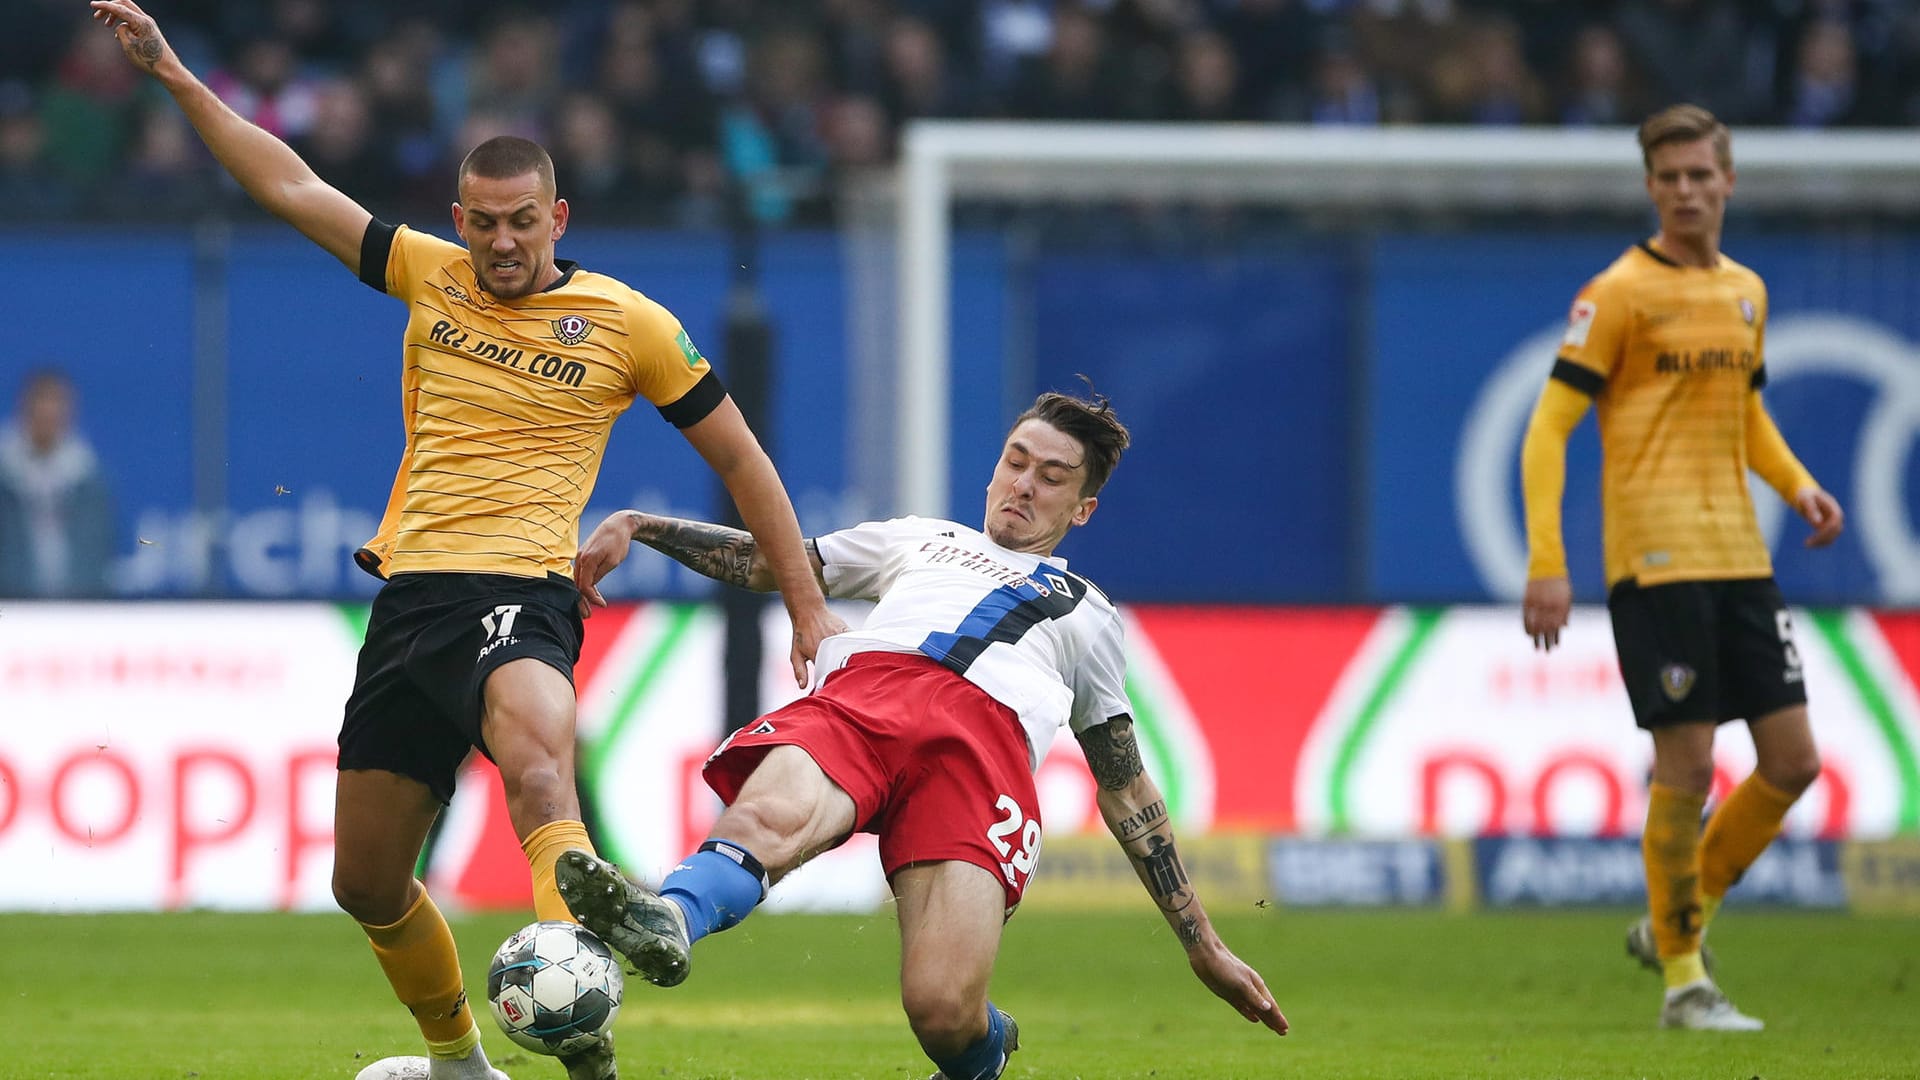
(1325, 324)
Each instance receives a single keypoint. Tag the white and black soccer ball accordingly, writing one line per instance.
(554, 987)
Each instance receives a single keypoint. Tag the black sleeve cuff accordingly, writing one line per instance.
(1759, 377)
(696, 404)
(1581, 379)
(366, 560)
(376, 247)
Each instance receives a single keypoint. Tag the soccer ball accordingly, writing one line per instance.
(554, 987)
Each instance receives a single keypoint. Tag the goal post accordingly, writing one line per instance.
(1343, 170)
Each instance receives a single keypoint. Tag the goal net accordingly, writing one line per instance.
(1300, 316)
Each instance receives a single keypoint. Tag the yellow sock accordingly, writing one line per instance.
(1670, 845)
(418, 956)
(1709, 907)
(543, 847)
(1739, 830)
(1684, 969)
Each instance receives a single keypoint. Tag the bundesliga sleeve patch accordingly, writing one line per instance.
(688, 350)
(1579, 323)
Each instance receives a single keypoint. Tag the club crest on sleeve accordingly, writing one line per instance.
(1676, 681)
(572, 329)
(1747, 310)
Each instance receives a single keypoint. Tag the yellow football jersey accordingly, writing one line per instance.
(1669, 354)
(508, 405)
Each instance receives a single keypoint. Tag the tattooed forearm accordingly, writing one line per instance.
(1145, 818)
(1160, 869)
(1189, 931)
(716, 551)
(1111, 753)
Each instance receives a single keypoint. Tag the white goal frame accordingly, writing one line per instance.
(1345, 169)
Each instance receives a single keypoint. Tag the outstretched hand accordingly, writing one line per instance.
(1238, 985)
(603, 551)
(139, 35)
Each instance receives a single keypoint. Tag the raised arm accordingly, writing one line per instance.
(267, 169)
(1136, 814)
(771, 547)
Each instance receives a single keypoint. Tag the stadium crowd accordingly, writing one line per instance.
(649, 105)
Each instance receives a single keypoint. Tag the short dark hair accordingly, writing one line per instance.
(1092, 422)
(504, 157)
(1685, 124)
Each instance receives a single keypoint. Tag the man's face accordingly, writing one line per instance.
(1689, 188)
(510, 226)
(47, 413)
(1034, 496)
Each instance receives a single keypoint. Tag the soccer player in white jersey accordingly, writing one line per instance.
(926, 731)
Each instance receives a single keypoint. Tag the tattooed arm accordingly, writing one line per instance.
(267, 169)
(1136, 814)
(716, 551)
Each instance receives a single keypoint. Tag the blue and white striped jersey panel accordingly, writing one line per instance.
(1037, 638)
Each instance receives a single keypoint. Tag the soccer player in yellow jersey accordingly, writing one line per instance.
(515, 366)
(1667, 342)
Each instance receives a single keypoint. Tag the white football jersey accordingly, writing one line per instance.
(1039, 640)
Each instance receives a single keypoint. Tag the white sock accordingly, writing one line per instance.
(472, 1067)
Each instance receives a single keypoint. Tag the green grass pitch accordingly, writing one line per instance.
(1370, 994)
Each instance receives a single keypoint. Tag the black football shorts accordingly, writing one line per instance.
(431, 643)
(1705, 651)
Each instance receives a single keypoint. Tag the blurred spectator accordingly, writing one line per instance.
(773, 141)
(1824, 89)
(400, 105)
(1342, 92)
(857, 134)
(1598, 91)
(1273, 44)
(88, 110)
(1075, 79)
(915, 79)
(1206, 83)
(343, 150)
(1693, 51)
(1485, 80)
(168, 175)
(1012, 34)
(590, 158)
(56, 514)
(264, 85)
(515, 75)
(28, 184)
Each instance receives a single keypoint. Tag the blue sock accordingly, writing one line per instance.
(716, 886)
(985, 1058)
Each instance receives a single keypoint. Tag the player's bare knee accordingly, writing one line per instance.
(1792, 773)
(375, 903)
(538, 791)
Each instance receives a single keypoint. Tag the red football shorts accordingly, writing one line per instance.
(937, 768)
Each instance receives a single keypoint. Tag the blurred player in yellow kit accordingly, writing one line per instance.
(1668, 343)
